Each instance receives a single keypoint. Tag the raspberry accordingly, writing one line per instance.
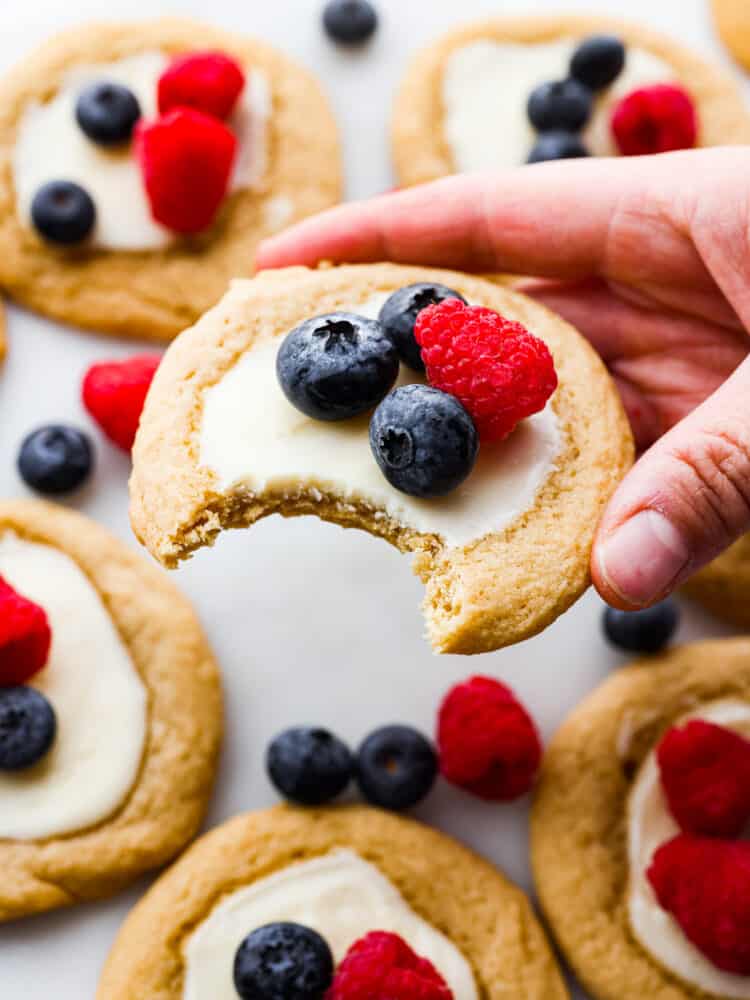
(186, 161)
(495, 367)
(655, 120)
(207, 81)
(114, 393)
(25, 637)
(382, 966)
(487, 741)
(705, 774)
(705, 885)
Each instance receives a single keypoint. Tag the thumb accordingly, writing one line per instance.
(685, 500)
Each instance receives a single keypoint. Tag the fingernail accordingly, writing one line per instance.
(643, 557)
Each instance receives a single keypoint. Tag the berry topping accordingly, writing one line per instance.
(114, 393)
(705, 775)
(598, 61)
(55, 459)
(308, 765)
(283, 960)
(399, 313)
(382, 966)
(27, 727)
(705, 885)
(495, 367)
(350, 22)
(186, 159)
(107, 113)
(63, 212)
(557, 146)
(336, 366)
(560, 104)
(488, 743)
(396, 767)
(424, 441)
(655, 120)
(25, 637)
(646, 631)
(207, 81)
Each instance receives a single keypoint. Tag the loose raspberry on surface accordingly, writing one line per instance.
(207, 81)
(495, 367)
(114, 393)
(487, 741)
(25, 637)
(382, 966)
(705, 885)
(655, 119)
(705, 775)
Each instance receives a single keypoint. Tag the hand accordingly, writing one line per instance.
(650, 259)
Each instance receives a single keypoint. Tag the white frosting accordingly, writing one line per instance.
(486, 86)
(650, 824)
(98, 698)
(51, 146)
(340, 896)
(255, 440)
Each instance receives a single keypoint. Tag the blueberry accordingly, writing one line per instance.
(63, 212)
(336, 366)
(557, 146)
(55, 459)
(27, 727)
(283, 961)
(598, 61)
(561, 104)
(308, 765)
(396, 767)
(399, 314)
(107, 113)
(350, 21)
(646, 631)
(424, 441)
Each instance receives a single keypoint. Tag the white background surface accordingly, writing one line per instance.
(310, 624)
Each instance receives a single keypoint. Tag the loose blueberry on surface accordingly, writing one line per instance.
(107, 113)
(350, 22)
(396, 767)
(309, 765)
(27, 727)
(55, 459)
(598, 61)
(557, 146)
(424, 441)
(336, 366)
(63, 212)
(399, 313)
(560, 104)
(283, 961)
(646, 631)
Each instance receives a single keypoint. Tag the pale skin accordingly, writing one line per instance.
(650, 258)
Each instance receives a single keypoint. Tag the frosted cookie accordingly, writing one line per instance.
(342, 873)
(110, 713)
(463, 103)
(502, 554)
(733, 24)
(141, 164)
(637, 824)
(723, 587)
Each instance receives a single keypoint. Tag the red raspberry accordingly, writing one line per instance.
(705, 774)
(186, 160)
(495, 367)
(705, 885)
(382, 966)
(114, 393)
(207, 81)
(25, 637)
(487, 741)
(655, 120)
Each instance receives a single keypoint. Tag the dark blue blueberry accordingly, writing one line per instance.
(399, 314)
(308, 765)
(336, 366)
(557, 146)
(350, 22)
(598, 61)
(563, 105)
(63, 212)
(55, 459)
(27, 727)
(283, 961)
(396, 767)
(424, 441)
(646, 631)
(107, 113)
